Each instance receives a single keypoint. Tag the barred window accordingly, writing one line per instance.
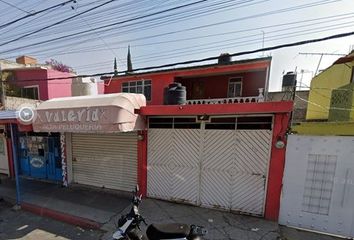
(142, 86)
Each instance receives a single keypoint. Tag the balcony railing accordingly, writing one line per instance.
(254, 99)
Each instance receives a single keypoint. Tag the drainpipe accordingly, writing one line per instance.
(14, 153)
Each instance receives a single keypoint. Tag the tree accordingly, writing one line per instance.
(59, 66)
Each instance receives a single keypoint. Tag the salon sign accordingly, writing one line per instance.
(86, 115)
(89, 119)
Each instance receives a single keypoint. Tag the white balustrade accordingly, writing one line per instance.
(254, 99)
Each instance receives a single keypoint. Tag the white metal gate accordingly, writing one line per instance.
(318, 184)
(213, 168)
(105, 160)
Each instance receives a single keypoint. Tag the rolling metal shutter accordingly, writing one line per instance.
(105, 160)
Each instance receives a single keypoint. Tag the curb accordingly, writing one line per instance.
(60, 216)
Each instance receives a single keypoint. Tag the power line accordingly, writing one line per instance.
(324, 54)
(93, 49)
(34, 13)
(324, 107)
(14, 6)
(99, 28)
(142, 27)
(336, 36)
(56, 23)
(207, 49)
(272, 37)
(103, 28)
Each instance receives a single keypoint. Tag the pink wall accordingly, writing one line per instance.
(47, 88)
(61, 87)
(33, 77)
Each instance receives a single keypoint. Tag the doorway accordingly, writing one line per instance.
(39, 157)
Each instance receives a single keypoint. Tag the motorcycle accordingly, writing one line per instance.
(129, 227)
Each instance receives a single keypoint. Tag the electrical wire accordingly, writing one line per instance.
(31, 14)
(56, 23)
(297, 7)
(94, 49)
(286, 45)
(14, 6)
(246, 42)
(99, 28)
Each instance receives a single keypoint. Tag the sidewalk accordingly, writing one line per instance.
(91, 208)
(83, 206)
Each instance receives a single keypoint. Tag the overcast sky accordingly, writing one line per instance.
(184, 34)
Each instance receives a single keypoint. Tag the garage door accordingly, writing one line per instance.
(220, 164)
(108, 160)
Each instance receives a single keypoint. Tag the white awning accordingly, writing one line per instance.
(100, 113)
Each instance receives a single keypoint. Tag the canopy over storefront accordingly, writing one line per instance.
(91, 114)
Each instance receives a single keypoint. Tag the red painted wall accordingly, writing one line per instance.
(217, 86)
(162, 79)
(276, 167)
(47, 88)
(281, 111)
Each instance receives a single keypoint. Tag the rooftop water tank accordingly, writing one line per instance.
(289, 81)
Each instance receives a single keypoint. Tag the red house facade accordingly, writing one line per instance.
(220, 149)
(202, 82)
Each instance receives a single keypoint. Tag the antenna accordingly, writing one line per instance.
(321, 56)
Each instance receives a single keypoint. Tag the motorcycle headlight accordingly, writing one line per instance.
(136, 210)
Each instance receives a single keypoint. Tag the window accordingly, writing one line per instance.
(235, 87)
(30, 92)
(221, 123)
(254, 123)
(143, 86)
(174, 122)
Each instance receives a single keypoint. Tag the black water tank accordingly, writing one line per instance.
(165, 96)
(289, 80)
(175, 94)
(224, 59)
(174, 85)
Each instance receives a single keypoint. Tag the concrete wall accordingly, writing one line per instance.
(14, 103)
(300, 105)
(84, 87)
(4, 64)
